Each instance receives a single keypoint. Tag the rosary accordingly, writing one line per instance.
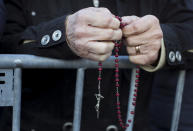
(99, 97)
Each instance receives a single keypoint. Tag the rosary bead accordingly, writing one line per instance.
(99, 64)
(134, 99)
(99, 78)
(117, 80)
(134, 103)
(120, 120)
(118, 112)
(117, 94)
(137, 71)
(116, 65)
(137, 76)
(135, 95)
(116, 70)
(118, 108)
(116, 60)
(137, 80)
(117, 85)
(135, 90)
(127, 125)
(100, 69)
(118, 103)
(122, 25)
(136, 85)
(116, 45)
(119, 18)
(116, 75)
(129, 121)
(132, 112)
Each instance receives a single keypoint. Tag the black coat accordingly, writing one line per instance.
(2, 16)
(163, 94)
(48, 102)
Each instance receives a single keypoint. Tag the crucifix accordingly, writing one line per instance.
(98, 97)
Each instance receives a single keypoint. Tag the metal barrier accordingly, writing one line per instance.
(10, 83)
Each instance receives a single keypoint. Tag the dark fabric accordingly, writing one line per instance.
(2, 16)
(163, 94)
(47, 100)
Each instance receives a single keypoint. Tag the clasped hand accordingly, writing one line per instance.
(90, 34)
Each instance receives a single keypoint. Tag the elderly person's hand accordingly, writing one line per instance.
(90, 33)
(143, 39)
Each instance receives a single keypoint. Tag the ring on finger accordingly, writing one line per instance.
(137, 49)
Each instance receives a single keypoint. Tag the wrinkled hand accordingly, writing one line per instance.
(146, 33)
(90, 33)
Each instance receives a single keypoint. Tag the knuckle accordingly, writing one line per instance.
(152, 57)
(119, 34)
(110, 33)
(129, 40)
(158, 34)
(145, 61)
(81, 15)
(78, 32)
(135, 28)
(105, 10)
(157, 45)
(105, 49)
(109, 20)
(154, 19)
(102, 58)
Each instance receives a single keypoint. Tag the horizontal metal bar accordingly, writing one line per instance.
(31, 61)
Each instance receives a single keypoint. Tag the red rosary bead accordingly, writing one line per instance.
(100, 69)
(99, 78)
(132, 112)
(137, 80)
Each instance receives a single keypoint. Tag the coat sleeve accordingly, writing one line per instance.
(176, 23)
(45, 39)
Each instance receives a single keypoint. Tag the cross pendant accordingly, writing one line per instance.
(97, 107)
(96, 3)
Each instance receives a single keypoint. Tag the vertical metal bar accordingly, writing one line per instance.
(78, 99)
(178, 100)
(130, 107)
(17, 100)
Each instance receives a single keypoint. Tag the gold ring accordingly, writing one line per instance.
(137, 49)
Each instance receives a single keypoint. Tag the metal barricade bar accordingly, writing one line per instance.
(178, 101)
(17, 62)
(31, 61)
(17, 100)
(78, 99)
(130, 107)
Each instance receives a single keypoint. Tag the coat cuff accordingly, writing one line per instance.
(161, 62)
(46, 34)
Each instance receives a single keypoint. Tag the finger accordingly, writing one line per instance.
(100, 48)
(97, 57)
(139, 39)
(139, 26)
(104, 34)
(138, 59)
(129, 19)
(146, 59)
(102, 17)
(143, 50)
